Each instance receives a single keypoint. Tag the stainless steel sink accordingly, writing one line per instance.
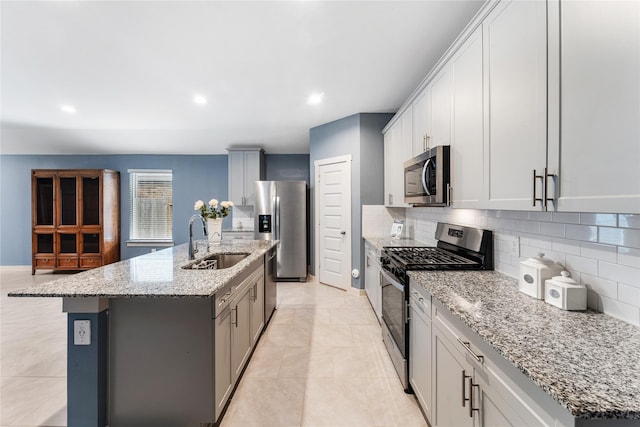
(216, 261)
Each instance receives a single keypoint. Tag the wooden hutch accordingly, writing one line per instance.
(75, 217)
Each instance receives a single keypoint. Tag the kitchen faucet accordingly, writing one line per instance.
(193, 251)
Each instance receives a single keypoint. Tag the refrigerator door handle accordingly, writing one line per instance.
(277, 227)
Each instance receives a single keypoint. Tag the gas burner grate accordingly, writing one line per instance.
(428, 256)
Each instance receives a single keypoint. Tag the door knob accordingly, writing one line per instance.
(343, 232)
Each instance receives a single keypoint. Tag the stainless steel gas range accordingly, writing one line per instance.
(458, 248)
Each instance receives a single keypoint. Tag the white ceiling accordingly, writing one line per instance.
(131, 69)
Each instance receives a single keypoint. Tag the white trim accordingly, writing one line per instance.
(357, 292)
(331, 160)
(150, 171)
(149, 243)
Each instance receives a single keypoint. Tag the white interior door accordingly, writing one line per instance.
(333, 218)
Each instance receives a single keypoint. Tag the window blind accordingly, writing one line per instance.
(150, 207)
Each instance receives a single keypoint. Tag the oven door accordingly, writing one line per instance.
(394, 309)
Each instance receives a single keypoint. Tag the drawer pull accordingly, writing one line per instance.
(465, 399)
(467, 346)
(471, 408)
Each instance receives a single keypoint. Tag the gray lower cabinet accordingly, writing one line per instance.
(237, 331)
(240, 331)
(223, 385)
(420, 349)
(257, 306)
(176, 361)
(469, 388)
(451, 373)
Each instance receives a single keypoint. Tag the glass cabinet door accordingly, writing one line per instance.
(91, 200)
(68, 201)
(68, 244)
(44, 243)
(44, 201)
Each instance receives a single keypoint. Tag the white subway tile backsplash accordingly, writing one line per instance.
(601, 286)
(583, 265)
(539, 216)
(598, 251)
(629, 257)
(627, 237)
(552, 229)
(629, 294)
(538, 241)
(601, 251)
(619, 273)
(622, 311)
(566, 217)
(629, 220)
(581, 232)
(566, 246)
(610, 220)
(529, 227)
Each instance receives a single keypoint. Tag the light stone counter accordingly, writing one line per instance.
(587, 361)
(157, 274)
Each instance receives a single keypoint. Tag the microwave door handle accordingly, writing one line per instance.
(424, 177)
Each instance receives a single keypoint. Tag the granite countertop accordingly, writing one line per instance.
(157, 274)
(380, 242)
(587, 361)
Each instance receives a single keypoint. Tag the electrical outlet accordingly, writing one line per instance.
(82, 332)
(514, 248)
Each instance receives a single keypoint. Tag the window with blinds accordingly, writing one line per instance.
(150, 207)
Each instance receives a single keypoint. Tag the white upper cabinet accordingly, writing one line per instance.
(599, 153)
(467, 141)
(245, 168)
(406, 147)
(393, 166)
(439, 130)
(515, 102)
(432, 113)
(420, 122)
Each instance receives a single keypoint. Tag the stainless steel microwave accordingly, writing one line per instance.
(426, 178)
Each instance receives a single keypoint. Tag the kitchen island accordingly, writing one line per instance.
(151, 343)
(549, 366)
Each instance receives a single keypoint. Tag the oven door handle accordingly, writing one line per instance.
(392, 281)
(424, 177)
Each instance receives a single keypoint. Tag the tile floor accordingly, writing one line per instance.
(321, 362)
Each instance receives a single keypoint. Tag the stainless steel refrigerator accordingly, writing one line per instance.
(281, 214)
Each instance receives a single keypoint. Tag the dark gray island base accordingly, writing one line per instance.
(167, 345)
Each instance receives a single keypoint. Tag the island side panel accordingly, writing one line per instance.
(87, 373)
(161, 362)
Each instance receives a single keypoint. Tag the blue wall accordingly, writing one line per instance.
(360, 136)
(194, 177)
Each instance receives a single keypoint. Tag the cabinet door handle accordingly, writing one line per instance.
(467, 346)
(471, 408)
(535, 199)
(255, 292)
(546, 188)
(465, 399)
(235, 310)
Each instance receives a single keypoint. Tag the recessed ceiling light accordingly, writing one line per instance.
(199, 99)
(315, 98)
(69, 109)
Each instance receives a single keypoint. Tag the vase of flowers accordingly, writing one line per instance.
(213, 212)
